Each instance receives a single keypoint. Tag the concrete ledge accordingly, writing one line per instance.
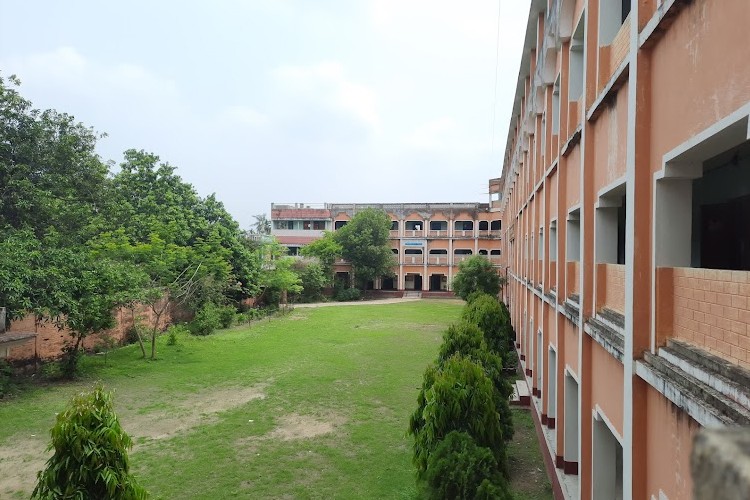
(720, 465)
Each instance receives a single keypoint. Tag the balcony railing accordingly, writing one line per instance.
(457, 259)
(414, 233)
(437, 233)
(706, 307)
(488, 233)
(394, 233)
(412, 259)
(610, 287)
(438, 260)
(572, 280)
(463, 233)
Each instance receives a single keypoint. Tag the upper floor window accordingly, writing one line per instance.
(339, 224)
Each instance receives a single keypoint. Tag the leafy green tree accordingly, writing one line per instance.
(312, 278)
(486, 312)
(364, 243)
(459, 469)
(477, 274)
(50, 175)
(456, 396)
(466, 339)
(90, 457)
(278, 278)
(326, 250)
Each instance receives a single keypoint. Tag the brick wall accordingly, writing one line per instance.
(706, 307)
(50, 340)
(619, 47)
(610, 287)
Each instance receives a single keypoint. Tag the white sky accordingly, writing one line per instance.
(283, 100)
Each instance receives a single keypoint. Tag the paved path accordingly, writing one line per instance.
(374, 302)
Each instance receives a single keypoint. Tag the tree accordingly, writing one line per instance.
(51, 178)
(262, 225)
(326, 250)
(364, 243)
(277, 276)
(90, 457)
(312, 278)
(456, 396)
(460, 469)
(476, 274)
(486, 313)
(467, 339)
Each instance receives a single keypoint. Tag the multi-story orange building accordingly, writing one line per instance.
(625, 200)
(429, 239)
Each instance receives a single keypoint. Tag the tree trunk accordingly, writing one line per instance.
(140, 343)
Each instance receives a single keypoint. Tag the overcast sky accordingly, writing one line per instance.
(266, 101)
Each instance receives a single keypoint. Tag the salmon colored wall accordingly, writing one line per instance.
(698, 72)
(610, 287)
(709, 308)
(572, 277)
(552, 188)
(669, 438)
(443, 244)
(571, 346)
(607, 382)
(610, 141)
(573, 177)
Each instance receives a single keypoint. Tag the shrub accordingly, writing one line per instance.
(467, 340)
(90, 457)
(206, 320)
(226, 315)
(457, 396)
(485, 312)
(477, 274)
(348, 294)
(174, 331)
(460, 469)
(6, 378)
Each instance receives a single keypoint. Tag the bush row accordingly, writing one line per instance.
(463, 421)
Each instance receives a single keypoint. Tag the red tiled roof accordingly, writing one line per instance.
(300, 213)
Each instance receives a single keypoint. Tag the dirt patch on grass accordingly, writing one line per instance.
(20, 459)
(296, 426)
(199, 409)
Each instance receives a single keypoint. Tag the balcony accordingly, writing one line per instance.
(393, 233)
(463, 233)
(408, 260)
(437, 260)
(457, 259)
(413, 233)
(441, 233)
(488, 233)
(708, 308)
(610, 287)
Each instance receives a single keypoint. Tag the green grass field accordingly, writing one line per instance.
(311, 405)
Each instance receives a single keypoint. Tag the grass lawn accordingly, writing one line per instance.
(528, 479)
(313, 405)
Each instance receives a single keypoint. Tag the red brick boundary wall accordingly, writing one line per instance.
(50, 340)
